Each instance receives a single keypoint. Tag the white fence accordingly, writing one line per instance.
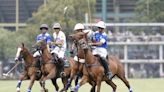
(125, 60)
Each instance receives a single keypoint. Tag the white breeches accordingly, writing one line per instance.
(37, 53)
(80, 60)
(100, 51)
(59, 51)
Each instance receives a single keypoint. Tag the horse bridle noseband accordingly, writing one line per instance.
(81, 43)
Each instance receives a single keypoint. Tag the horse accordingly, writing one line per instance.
(76, 70)
(78, 67)
(31, 71)
(93, 71)
(51, 66)
(70, 75)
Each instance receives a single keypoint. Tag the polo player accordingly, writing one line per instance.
(100, 41)
(59, 43)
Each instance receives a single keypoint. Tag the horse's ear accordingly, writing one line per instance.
(85, 34)
(87, 31)
(22, 44)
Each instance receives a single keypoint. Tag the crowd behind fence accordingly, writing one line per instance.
(141, 58)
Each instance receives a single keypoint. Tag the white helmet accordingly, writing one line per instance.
(56, 25)
(78, 26)
(101, 24)
(44, 26)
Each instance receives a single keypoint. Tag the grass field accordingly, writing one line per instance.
(138, 85)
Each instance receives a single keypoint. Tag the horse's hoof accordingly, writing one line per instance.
(18, 89)
(62, 91)
(42, 90)
(46, 90)
(72, 89)
(131, 90)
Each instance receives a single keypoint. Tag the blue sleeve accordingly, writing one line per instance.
(38, 38)
(49, 39)
(105, 37)
(97, 37)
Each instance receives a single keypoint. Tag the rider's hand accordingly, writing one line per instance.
(53, 43)
(90, 44)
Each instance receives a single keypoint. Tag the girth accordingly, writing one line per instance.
(91, 65)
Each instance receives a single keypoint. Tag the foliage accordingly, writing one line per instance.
(53, 12)
(150, 11)
(9, 43)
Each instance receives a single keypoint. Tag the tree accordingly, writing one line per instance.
(54, 12)
(150, 11)
(9, 42)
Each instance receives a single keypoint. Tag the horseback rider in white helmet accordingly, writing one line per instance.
(79, 27)
(59, 43)
(100, 41)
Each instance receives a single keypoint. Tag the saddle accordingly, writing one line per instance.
(58, 60)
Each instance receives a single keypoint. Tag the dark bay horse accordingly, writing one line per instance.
(94, 72)
(51, 67)
(31, 71)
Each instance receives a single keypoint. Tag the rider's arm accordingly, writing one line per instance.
(38, 38)
(48, 40)
(58, 43)
(61, 42)
(101, 42)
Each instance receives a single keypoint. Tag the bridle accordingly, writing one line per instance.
(82, 44)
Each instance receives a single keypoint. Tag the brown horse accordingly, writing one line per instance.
(70, 75)
(81, 67)
(76, 69)
(94, 72)
(31, 71)
(51, 67)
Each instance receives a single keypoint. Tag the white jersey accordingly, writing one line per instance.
(59, 37)
(60, 51)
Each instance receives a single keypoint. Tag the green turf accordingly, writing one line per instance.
(138, 85)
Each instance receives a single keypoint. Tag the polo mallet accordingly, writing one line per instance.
(6, 74)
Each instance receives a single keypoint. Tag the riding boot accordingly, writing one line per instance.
(38, 62)
(54, 58)
(62, 74)
(38, 66)
(105, 65)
